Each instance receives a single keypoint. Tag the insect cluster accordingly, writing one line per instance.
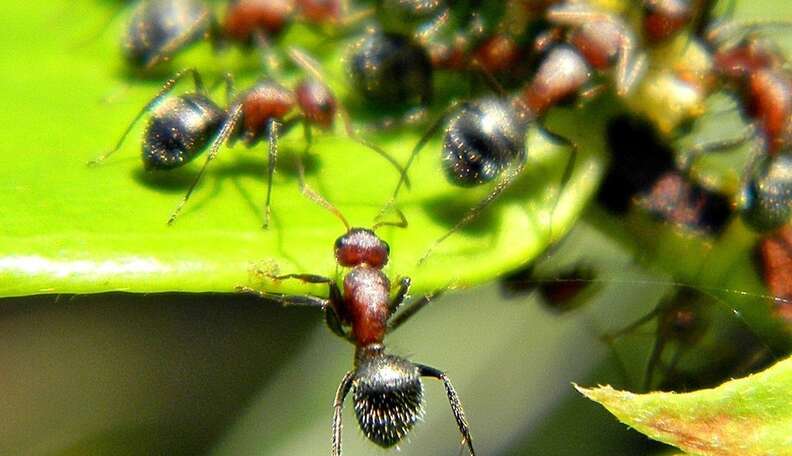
(659, 59)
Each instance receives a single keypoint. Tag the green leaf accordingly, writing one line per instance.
(749, 416)
(68, 228)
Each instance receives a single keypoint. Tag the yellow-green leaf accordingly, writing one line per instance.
(751, 416)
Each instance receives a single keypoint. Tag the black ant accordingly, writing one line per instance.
(184, 126)
(386, 389)
(485, 138)
(159, 29)
(390, 69)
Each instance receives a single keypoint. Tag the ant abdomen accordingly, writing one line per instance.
(155, 25)
(767, 197)
(179, 130)
(482, 139)
(388, 68)
(387, 396)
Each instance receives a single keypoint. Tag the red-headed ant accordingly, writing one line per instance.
(184, 126)
(386, 389)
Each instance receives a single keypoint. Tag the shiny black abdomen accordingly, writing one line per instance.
(388, 68)
(481, 139)
(179, 130)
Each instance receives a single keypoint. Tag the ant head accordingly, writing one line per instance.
(361, 246)
(246, 17)
(481, 140)
(389, 69)
(388, 395)
(767, 197)
(317, 103)
(179, 129)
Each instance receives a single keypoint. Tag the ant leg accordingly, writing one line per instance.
(453, 399)
(306, 278)
(411, 310)
(287, 300)
(338, 406)
(418, 147)
(629, 67)
(700, 149)
(225, 132)
(401, 223)
(272, 159)
(404, 288)
(312, 67)
(178, 42)
(505, 182)
(269, 61)
(166, 88)
(654, 358)
(568, 169)
(566, 14)
(312, 195)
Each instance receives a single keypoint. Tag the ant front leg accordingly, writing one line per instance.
(166, 88)
(411, 310)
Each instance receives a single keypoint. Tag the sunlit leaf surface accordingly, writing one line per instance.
(68, 228)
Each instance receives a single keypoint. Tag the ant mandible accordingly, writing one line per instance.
(182, 127)
(386, 389)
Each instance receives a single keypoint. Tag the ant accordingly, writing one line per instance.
(159, 29)
(386, 389)
(775, 257)
(390, 69)
(754, 68)
(766, 197)
(485, 138)
(184, 126)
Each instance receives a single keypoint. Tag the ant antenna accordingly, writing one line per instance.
(166, 88)
(312, 67)
(401, 223)
(312, 195)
